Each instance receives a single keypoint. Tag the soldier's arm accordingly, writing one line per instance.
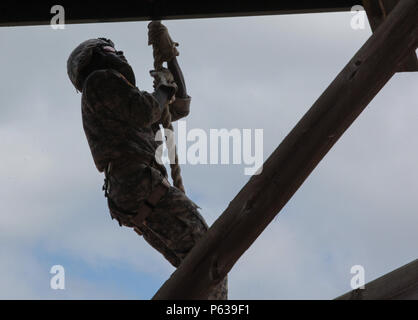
(181, 106)
(125, 101)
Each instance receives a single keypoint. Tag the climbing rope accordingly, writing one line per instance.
(171, 146)
(158, 37)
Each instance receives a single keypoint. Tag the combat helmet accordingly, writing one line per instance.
(80, 58)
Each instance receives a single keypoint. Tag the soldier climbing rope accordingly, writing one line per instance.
(120, 122)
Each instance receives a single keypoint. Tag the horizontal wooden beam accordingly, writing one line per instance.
(259, 201)
(17, 13)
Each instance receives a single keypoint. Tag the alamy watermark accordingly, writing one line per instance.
(358, 280)
(213, 148)
(58, 280)
(358, 21)
(58, 20)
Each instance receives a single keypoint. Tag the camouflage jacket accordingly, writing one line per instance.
(121, 121)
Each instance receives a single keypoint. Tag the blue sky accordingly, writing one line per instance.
(358, 206)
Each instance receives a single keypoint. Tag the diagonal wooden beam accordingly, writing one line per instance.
(286, 169)
(377, 11)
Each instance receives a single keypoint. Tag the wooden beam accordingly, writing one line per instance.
(255, 206)
(16, 13)
(400, 284)
(377, 11)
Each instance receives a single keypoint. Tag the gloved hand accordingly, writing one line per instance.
(163, 79)
(164, 48)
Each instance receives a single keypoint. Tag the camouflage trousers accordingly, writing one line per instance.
(174, 225)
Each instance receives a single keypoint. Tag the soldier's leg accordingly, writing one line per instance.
(174, 227)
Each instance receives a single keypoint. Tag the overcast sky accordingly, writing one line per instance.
(359, 206)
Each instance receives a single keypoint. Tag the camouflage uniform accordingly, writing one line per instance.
(120, 123)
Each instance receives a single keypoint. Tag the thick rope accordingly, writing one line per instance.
(171, 146)
(164, 48)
